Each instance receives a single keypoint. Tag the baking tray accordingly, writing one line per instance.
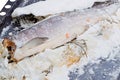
(5, 20)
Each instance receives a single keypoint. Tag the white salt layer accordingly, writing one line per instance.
(47, 7)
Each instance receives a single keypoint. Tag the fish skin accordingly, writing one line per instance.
(35, 42)
(54, 28)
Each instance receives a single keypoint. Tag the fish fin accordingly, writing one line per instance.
(34, 42)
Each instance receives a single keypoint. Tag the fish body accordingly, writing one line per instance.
(70, 22)
(60, 29)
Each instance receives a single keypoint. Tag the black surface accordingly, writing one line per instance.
(28, 2)
(6, 19)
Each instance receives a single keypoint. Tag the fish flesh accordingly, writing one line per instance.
(59, 29)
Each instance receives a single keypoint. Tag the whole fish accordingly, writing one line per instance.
(58, 30)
